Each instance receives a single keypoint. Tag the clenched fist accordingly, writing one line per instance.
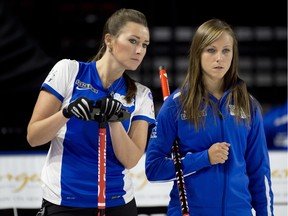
(218, 153)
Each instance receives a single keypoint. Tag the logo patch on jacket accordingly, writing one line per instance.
(232, 111)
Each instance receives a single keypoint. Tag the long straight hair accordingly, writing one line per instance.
(194, 97)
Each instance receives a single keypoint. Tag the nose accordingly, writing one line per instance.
(219, 57)
(139, 49)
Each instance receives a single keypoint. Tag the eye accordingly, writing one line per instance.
(144, 45)
(210, 50)
(133, 41)
(226, 50)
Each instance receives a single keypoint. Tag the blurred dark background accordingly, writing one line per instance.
(35, 34)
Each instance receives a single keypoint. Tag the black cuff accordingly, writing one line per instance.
(66, 113)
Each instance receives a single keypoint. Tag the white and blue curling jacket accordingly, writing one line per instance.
(70, 172)
(243, 182)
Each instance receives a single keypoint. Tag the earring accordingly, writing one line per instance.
(110, 49)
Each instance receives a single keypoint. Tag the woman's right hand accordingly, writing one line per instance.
(80, 108)
(218, 153)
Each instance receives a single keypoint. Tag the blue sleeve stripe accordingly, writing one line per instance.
(51, 90)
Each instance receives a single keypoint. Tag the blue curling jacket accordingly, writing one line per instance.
(243, 182)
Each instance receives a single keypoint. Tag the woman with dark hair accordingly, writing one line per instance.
(65, 116)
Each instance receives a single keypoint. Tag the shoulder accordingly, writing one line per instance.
(256, 110)
(172, 103)
(176, 94)
(142, 89)
(255, 104)
(66, 64)
(140, 86)
(64, 69)
(174, 97)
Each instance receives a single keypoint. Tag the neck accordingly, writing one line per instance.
(107, 72)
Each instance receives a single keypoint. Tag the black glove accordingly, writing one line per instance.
(80, 108)
(109, 107)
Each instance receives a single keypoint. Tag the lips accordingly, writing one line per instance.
(135, 59)
(218, 67)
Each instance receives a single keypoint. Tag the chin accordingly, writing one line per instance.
(133, 68)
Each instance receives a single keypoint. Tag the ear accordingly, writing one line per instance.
(108, 40)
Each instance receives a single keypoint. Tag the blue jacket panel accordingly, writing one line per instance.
(243, 182)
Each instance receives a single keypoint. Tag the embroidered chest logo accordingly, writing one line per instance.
(85, 86)
(232, 111)
(201, 114)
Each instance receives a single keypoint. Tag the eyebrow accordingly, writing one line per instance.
(147, 41)
(228, 45)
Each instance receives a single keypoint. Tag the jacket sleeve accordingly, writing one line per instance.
(159, 164)
(258, 166)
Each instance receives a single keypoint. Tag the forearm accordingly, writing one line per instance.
(43, 131)
(127, 148)
(193, 162)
